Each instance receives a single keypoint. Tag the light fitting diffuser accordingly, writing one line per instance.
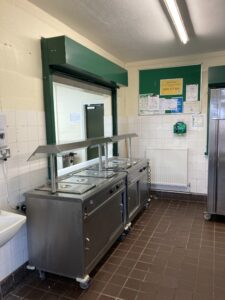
(175, 15)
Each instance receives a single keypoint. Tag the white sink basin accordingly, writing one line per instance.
(10, 223)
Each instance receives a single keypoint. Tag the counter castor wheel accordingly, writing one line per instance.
(127, 230)
(42, 275)
(122, 237)
(85, 285)
(146, 206)
(84, 282)
(207, 216)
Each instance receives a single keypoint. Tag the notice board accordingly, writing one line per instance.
(170, 90)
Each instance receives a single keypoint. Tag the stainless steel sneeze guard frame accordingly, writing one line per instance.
(55, 149)
(52, 150)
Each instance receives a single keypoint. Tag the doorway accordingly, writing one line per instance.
(94, 115)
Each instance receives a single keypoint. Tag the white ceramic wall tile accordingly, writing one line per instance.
(13, 184)
(11, 134)
(22, 134)
(25, 131)
(41, 118)
(32, 118)
(33, 132)
(21, 118)
(10, 118)
(157, 132)
(41, 135)
(12, 166)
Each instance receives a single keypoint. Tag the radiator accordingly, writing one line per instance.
(169, 168)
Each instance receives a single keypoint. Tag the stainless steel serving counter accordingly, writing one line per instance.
(69, 233)
(137, 185)
(75, 219)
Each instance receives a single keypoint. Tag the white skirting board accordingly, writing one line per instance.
(169, 168)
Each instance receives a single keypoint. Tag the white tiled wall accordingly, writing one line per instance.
(157, 132)
(25, 130)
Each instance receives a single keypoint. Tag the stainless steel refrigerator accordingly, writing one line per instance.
(216, 151)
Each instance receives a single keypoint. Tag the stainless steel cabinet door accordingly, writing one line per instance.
(221, 168)
(133, 200)
(102, 228)
(143, 189)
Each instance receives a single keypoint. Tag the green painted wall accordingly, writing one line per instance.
(217, 75)
(149, 80)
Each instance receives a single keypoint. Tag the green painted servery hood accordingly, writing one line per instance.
(67, 55)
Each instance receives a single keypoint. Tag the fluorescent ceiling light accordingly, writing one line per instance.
(177, 20)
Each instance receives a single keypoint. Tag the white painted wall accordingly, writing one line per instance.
(157, 131)
(21, 99)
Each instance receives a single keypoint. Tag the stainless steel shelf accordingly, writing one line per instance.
(56, 149)
(122, 137)
(52, 150)
(44, 150)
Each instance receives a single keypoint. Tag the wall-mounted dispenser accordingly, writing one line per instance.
(4, 150)
(179, 128)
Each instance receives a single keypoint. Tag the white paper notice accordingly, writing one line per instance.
(153, 103)
(75, 117)
(197, 121)
(143, 103)
(191, 92)
(192, 107)
(168, 104)
(148, 103)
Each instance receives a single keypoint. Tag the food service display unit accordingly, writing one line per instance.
(137, 184)
(51, 151)
(68, 232)
(74, 221)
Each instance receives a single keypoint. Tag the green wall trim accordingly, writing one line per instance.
(68, 55)
(49, 70)
(114, 117)
(48, 95)
(216, 75)
(149, 80)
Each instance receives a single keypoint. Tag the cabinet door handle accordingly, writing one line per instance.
(87, 240)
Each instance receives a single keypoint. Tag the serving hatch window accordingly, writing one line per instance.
(82, 110)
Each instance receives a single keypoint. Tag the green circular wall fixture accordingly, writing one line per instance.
(179, 128)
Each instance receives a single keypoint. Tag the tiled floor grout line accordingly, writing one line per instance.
(113, 273)
(126, 257)
(171, 253)
(201, 238)
(141, 231)
(147, 244)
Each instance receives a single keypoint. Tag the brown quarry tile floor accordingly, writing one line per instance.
(171, 253)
